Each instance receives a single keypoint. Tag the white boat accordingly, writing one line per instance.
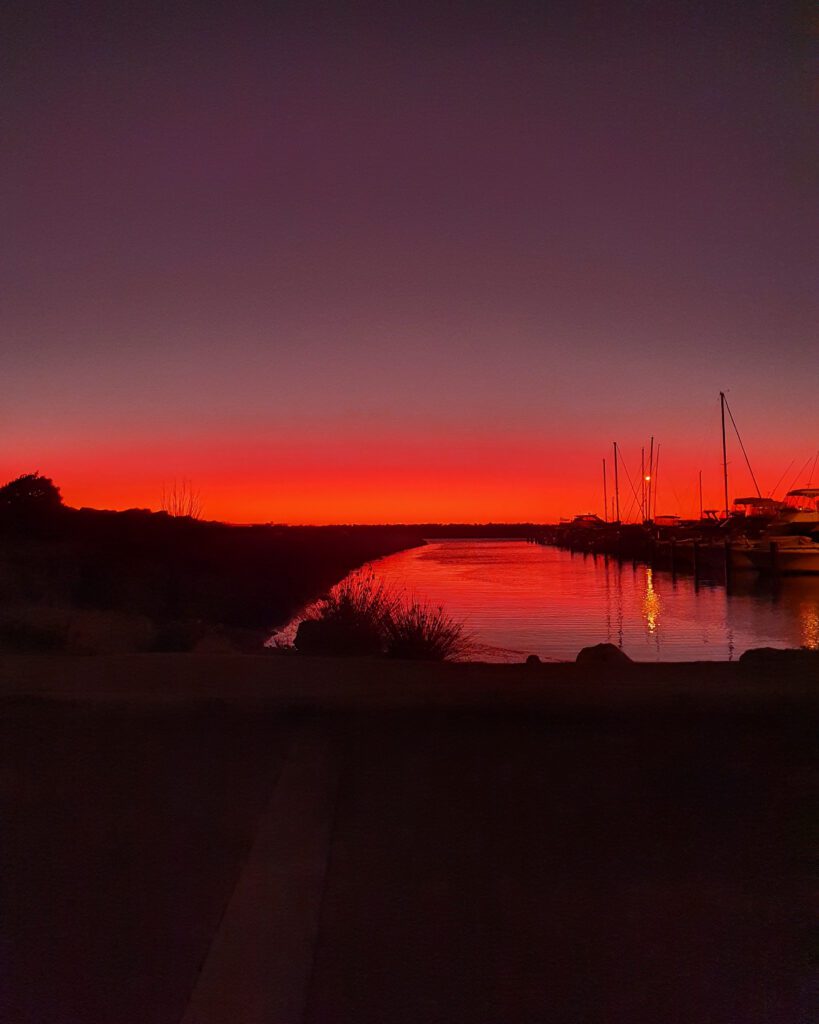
(758, 516)
(788, 553)
(803, 508)
(791, 542)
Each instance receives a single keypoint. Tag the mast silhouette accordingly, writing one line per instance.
(654, 477)
(616, 485)
(643, 484)
(724, 452)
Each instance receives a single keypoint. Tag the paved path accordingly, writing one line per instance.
(259, 963)
(267, 841)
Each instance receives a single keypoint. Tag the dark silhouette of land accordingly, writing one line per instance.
(91, 580)
(164, 581)
(250, 839)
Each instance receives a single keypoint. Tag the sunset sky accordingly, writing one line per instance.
(395, 262)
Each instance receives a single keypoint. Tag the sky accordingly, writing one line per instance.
(405, 262)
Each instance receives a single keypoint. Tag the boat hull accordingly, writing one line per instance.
(800, 561)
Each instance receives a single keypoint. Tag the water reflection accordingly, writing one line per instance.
(651, 602)
(520, 599)
(810, 627)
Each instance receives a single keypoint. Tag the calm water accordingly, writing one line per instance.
(518, 599)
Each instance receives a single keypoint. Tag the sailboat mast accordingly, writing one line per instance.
(700, 494)
(650, 476)
(642, 484)
(616, 485)
(605, 495)
(655, 475)
(724, 452)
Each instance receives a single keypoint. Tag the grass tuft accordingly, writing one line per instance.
(362, 615)
(425, 632)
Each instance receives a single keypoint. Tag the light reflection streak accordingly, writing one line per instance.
(651, 602)
(809, 623)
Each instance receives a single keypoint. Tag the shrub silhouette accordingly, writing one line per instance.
(30, 504)
(351, 619)
(181, 500)
(363, 616)
(30, 493)
(424, 632)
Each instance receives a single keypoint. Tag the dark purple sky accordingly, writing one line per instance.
(331, 244)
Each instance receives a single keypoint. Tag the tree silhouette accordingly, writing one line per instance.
(30, 494)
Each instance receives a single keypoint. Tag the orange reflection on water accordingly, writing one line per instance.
(809, 621)
(651, 602)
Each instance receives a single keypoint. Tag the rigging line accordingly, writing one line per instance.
(796, 478)
(742, 446)
(779, 481)
(635, 497)
(635, 502)
(813, 467)
(633, 488)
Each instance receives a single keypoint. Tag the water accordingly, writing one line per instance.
(518, 599)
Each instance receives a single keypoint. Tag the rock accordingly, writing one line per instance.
(533, 659)
(603, 654)
(778, 657)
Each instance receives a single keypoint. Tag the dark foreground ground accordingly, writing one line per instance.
(253, 840)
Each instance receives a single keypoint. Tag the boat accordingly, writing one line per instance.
(786, 554)
(752, 519)
(791, 543)
(803, 508)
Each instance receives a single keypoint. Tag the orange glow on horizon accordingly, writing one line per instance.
(359, 478)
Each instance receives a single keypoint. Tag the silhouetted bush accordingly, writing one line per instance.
(30, 503)
(180, 499)
(30, 492)
(351, 619)
(424, 632)
(363, 616)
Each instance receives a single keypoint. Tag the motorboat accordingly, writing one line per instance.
(786, 553)
(802, 510)
(791, 543)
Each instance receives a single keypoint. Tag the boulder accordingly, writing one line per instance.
(533, 659)
(603, 654)
(775, 657)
